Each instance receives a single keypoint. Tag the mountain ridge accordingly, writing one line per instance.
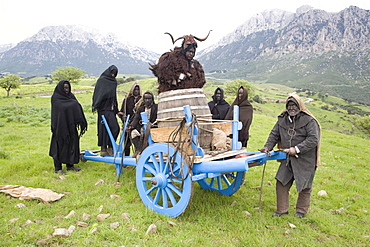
(316, 50)
(76, 46)
(310, 49)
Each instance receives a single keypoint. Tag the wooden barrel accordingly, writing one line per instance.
(170, 105)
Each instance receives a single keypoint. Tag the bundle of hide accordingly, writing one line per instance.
(24, 193)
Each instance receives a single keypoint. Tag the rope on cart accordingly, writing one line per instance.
(183, 145)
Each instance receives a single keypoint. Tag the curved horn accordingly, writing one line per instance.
(173, 42)
(204, 38)
(183, 37)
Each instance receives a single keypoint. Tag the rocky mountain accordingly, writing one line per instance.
(76, 46)
(6, 47)
(310, 49)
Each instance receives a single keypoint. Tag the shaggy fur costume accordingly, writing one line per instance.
(171, 65)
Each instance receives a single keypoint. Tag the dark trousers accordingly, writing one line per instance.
(282, 198)
(58, 165)
(128, 143)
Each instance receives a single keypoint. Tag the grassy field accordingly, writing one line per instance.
(340, 219)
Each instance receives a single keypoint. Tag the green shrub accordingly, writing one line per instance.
(3, 155)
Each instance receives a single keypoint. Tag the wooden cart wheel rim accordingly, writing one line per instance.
(160, 190)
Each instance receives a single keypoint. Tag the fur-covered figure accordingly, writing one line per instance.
(177, 69)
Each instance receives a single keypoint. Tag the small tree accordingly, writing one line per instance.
(364, 123)
(257, 99)
(232, 88)
(10, 82)
(70, 74)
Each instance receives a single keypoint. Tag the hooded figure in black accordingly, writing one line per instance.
(245, 114)
(128, 108)
(68, 124)
(139, 137)
(105, 102)
(218, 106)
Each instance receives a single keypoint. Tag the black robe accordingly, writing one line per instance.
(67, 119)
(137, 121)
(245, 115)
(105, 102)
(128, 108)
(218, 109)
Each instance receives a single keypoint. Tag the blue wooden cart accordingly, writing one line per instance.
(165, 175)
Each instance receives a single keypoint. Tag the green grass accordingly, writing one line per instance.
(210, 219)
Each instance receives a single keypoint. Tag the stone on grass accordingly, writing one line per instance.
(100, 181)
(102, 217)
(246, 213)
(13, 220)
(114, 225)
(94, 230)
(152, 229)
(171, 223)
(292, 226)
(125, 216)
(43, 241)
(322, 193)
(114, 196)
(62, 232)
(26, 223)
(85, 216)
(82, 224)
(340, 210)
(70, 214)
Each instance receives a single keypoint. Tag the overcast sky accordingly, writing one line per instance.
(144, 22)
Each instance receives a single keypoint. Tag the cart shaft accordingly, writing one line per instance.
(236, 165)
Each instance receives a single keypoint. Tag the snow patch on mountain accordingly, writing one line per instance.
(83, 34)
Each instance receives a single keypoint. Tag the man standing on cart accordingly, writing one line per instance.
(177, 69)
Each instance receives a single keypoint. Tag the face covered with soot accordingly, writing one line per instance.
(292, 107)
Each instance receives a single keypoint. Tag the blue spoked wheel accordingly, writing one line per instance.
(225, 184)
(164, 184)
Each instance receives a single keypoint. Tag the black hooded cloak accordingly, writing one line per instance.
(136, 122)
(218, 109)
(245, 115)
(105, 102)
(104, 96)
(67, 119)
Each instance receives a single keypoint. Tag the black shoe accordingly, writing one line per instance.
(61, 172)
(299, 215)
(276, 214)
(73, 168)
